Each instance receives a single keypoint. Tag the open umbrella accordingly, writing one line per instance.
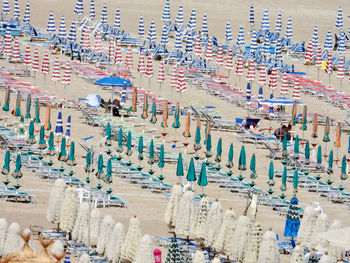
(31, 138)
(6, 167)
(202, 178)
(37, 111)
(164, 123)
(42, 144)
(271, 182)
(145, 107)
(154, 112)
(28, 105)
(6, 106)
(100, 173)
(180, 166)
(161, 162)
(191, 172)
(218, 151)
(187, 126)
(17, 110)
(17, 174)
(296, 147)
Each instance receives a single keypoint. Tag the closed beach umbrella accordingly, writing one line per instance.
(62, 32)
(304, 119)
(187, 126)
(330, 163)
(134, 100)
(252, 167)
(208, 153)
(319, 157)
(16, 10)
(145, 107)
(271, 182)
(28, 106)
(202, 178)
(63, 156)
(108, 177)
(116, 23)
(251, 16)
(17, 110)
(315, 127)
(294, 114)
(51, 150)
(284, 146)
(37, 111)
(295, 181)
(92, 9)
(6, 167)
(283, 186)
(154, 112)
(164, 123)
(120, 140)
(179, 166)
(229, 163)
(242, 163)
(17, 174)
(6, 106)
(128, 144)
(31, 138)
(141, 29)
(140, 148)
(5, 7)
(191, 172)
(59, 125)
(68, 126)
(292, 224)
(100, 173)
(326, 131)
(296, 147)
(151, 153)
(88, 161)
(161, 157)
(21, 127)
(42, 142)
(104, 15)
(228, 32)
(218, 151)
(207, 132)
(166, 12)
(108, 141)
(337, 143)
(344, 173)
(197, 144)
(51, 28)
(307, 153)
(71, 159)
(176, 123)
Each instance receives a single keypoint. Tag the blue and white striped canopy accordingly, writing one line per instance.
(266, 46)
(164, 39)
(166, 12)
(116, 24)
(328, 44)
(339, 21)
(253, 42)
(16, 11)
(72, 37)
(260, 97)
(315, 38)
(248, 92)
(68, 126)
(104, 15)
(278, 51)
(228, 32)
(26, 17)
(178, 41)
(341, 46)
(92, 9)
(189, 44)
(192, 23)
(205, 24)
(251, 15)
(79, 8)
(265, 23)
(59, 124)
(62, 32)
(6, 7)
(279, 101)
(123, 98)
(240, 37)
(180, 15)
(152, 32)
(141, 27)
(289, 30)
(51, 27)
(278, 28)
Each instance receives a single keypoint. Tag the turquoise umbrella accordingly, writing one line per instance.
(180, 166)
(108, 135)
(6, 168)
(326, 131)
(191, 172)
(42, 143)
(151, 153)
(108, 177)
(17, 174)
(307, 153)
(197, 144)
(208, 153)
(271, 182)
(51, 150)
(283, 186)
(176, 123)
(252, 167)
(242, 163)
(88, 161)
(319, 157)
(229, 163)
(62, 156)
(295, 181)
(120, 141)
(140, 148)
(37, 111)
(296, 147)
(218, 151)
(100, 173)
(284, 146)
(6, 106)
(128, 144)
(71, 159)
(28, 106)
(17, 111)
(154, 113)
(202, 179)
(31, 138)
(161, 162)
(344, 174)
(330, 163)
(303, 126)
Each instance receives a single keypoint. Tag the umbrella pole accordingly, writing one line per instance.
(341, 85)
(54, 87)
(44, 81)
(160, 89)
(64, 92)
(149, 84)
(318, 74)
(329, 79)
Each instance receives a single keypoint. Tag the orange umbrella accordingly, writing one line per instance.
(134, 100)
(187, 128)
(207, 130)
(199, 122)
(145, 108)
(48, 119)
(164, 123)
(294, 114)
(337, 141)
(315, 128)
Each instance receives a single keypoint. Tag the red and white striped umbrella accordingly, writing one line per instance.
(173, 77)
(56, 74)
(118, 54)
(209, 53)
(128, 59)
(149, 67)
(86, 39)
(45, 66)
(309, 54)
(67, 75)
(239, 65)
(296, 90)
(27, 57)
(15, 52)
(8, 44)
(273, 79)
(219, 56)
(181, 84)
(161, 72)
(98, 43)
(262, 74)
(251, 71)
(318, 61)
(329, 65)
(229, 60)
(284, 86)
(35, 64)
(111, 51)
(340, 72)
(141, 65)
(197, 47)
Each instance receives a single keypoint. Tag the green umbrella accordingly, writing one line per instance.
(307, 153)
(229, 163)
(284, 146)
(37, 111)
(219, 151)
(51, 151)
(100, 173)
(71, 159)
(108, 135)
(208, 153)
(191, 172)
(294, 114)
(206, 132)
(29, 104)
(283, 186)
(197, 144)
(252, 167)
(296, 147)
(326, 131)
(108, 177)
(295, 181)
(42, 143)
(330, 163)
(17, 174)
(6, 106)
(140, 148)
(6, 168)
(176, 123)
(344, 174)
(242, 163)
(120, 141)
(304, 119)
(180, 166)
(151, 153)
(154, 113)
(271, 182)
(161, 157)
(319, 157)
(31, 138)
(202, 178)
(62, 156)
(88, 161)
(17, 111)
(128, 144)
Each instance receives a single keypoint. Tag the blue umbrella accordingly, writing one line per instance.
(123, 99)
(253, 42)
(62, 32)
(251, 16)
(68, 126)
(51, 28)
(5, 7)
(289, 30)
(265, 23)
(341, 46)
(315, 38)
(164, 39)
(16, 11)
(189, 44)
(92, 9)
(228, 32)
(116, 24)
(204, 25)
(26, 17)
(178, 41)
(180, 15)
(271, 109)
(278, 51)
(104, 15)
(79, 8)
(260, 97)
(72, 37)
(339, 21)
(166, 12)
(278, 27)
(248, 92)
(266, 46)
(328, 45)
(293, 219)
(192, 24)
(113, 82)
(59, 125)
(141, 27)
(240, 38)
(151, 37)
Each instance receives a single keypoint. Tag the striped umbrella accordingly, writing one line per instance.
(151, 37)
(72, 37)
(192, 24)
(48, 119)
(262, 74)
(37, 111)
(204, 25)
(318, 61)
(62, 32)
(228, 32)
(45, 66)
(181, 84)
(59, 125)
(253, 42)
(27, 57)
(141, 31)
(278, 51)
(329, 66)
(28, 106)
(251, 16)
(309, 54)
(266, 46)
(273, 79)
(271, 108)
(197, 47)
(16, 56)
(68, 126)
(209, 51)
(340, 72)
(176, 123)
(315, 38)
(239, 65)
(173, 78)
(141, 65)
(189, 45)
(56, 75)
(149, 70)
(328, 45)
(118, 54)
(98, 48)
(128, 58)
(187, 133)
(178, 41)
(179, 166)
(341, 46)
(161, 74)
(92, 9)
(166, 12)
(26, 17)
(180, 15)
(86, 39)
(240, 38)
(229, 61)
(111, 49)
(284, 87)
(219, 56)
(296, 90)
(339, 21)
(251, 71)
(278, 27)
(5, 7)
(164, 38)
(6, 106)
(16, 11)
(79, 8)
(66, 78)
(164, 122)
(248, 93)
(104, 15)
(289, 30)
(8, 44)
(153, 118)
(116, 23)
(260, 98)
(265, 23)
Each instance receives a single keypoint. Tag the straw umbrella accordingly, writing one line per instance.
(214, 222)
(185, 214)
(53, 213)
(199, 224)
(132, 237)
(6, 168)
(322, 225)
(241, 237)
(229, 163)
(69, 209)
(13, 242)
(224, 240)
(298, 255)
(252, 251)
(269, 252)
(199, 256)
(145, 250)
(116, 242)
(17, 173)
(307, 227)
(105, 234)
(95, 223)
(172, 209)
(80, 229)
(84, 258)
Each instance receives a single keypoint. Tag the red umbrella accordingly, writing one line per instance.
(118, 54)
(66, 78)
(35, 64)
(209, 52)
(45, 66)
(161, 75)
(197, 47)
(27, 57)
(111, 47)
(98, 43)
(8, 44)
(229, 61)
(239, 65)
(181, 85)
(56, 75)
(173, 78)
(149, 71)
(309, 54)
(128, 59)
(16, 53)
(141, 65)
(340, 72)
(219, 57)
(273, 79)
(296, 90)
(318, 61)
(262, 74)
(329, 66)
(86, 39)
(284, 87)
(251, 71)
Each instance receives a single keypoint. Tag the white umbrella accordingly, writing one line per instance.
(199, 224)
(298, 255)
(132, 237)
(13, 240)
(241, 237)
(307, 227)
(3, 233)
(145, 250)
(69, 210)
(269, 252)
(57, 247)
(214, 222)
(224, 240)
(322, 225)
(95, 225)
(80, 226)
(333, 250)
(115, 245)
(105, 234)
(253, 247)
(199, 257)
(327, 259)
(339, 237)
(84, 258)
(55, 201)
(173, 206)
(186, 214)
